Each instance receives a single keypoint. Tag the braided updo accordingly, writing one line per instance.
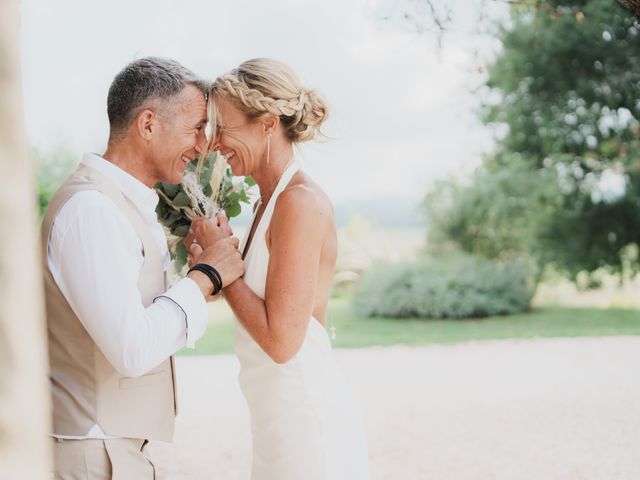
(262, 87)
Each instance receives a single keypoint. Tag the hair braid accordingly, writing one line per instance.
(267, 87)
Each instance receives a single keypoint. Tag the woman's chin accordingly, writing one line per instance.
(236, 170)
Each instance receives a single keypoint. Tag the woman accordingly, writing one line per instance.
(305, 423)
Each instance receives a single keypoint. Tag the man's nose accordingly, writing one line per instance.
(201, 143)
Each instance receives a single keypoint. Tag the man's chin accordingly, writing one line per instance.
(172, 181)
(177, 178)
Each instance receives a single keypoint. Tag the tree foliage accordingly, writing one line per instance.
(633, 6)
(52, 168)
(565, 174)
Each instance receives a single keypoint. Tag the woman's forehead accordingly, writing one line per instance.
(228, 111)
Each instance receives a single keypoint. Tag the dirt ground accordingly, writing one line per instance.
(547, 409)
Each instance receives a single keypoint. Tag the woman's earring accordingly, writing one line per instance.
(268, 148)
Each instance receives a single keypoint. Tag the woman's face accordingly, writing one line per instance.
(242, 141)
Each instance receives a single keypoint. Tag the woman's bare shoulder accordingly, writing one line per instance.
(304, 203)
(305, 196)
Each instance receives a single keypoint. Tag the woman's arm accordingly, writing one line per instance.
(296, 236)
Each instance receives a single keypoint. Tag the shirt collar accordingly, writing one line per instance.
(144, 198)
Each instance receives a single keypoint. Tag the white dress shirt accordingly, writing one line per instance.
(95, 257)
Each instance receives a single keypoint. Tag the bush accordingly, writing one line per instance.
(455, 286)
(52, 169)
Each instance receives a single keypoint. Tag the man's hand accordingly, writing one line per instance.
(224, 256)
(207, 232)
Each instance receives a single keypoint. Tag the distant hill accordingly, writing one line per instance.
(385, 211)
(392, 211)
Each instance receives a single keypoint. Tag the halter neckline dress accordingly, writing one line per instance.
(305, 423)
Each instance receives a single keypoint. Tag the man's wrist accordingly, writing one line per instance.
(211, 273)
(203, 282)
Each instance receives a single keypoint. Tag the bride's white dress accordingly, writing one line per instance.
(304, 420)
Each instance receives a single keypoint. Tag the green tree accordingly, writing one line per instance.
(565, 174)
(52, 169)
(497, 215)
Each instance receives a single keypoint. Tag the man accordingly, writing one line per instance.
(113, 325)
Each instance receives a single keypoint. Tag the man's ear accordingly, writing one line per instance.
(146, 124)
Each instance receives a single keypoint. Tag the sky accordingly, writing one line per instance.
(403, 110)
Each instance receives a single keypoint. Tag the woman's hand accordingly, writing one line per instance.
(205, 232)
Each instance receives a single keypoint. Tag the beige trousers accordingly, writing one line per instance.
(117, 459)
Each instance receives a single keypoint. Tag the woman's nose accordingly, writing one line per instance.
(215, 145)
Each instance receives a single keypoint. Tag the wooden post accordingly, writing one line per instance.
(25, 449)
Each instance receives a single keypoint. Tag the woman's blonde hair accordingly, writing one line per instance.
(263, 87)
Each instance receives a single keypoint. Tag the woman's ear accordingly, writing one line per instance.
(270, 124)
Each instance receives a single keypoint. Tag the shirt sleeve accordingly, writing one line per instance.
(186, 296)
(95, 256)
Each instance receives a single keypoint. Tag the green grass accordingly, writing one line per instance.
(354, 331)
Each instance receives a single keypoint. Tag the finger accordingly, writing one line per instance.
(225, 227)
(202, 227)
(198, 223)
(235, 242)
(196, 226)
(223, 221)
(189, 239)
(196, 250)
(227, 245)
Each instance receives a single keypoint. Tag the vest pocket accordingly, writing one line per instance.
(148, 379)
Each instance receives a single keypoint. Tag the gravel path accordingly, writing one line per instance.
(548, 409)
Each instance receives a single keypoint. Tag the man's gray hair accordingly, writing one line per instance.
(143, 81)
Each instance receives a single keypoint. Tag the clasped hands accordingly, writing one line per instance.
(212, 242)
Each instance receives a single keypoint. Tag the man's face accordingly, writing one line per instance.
(181, 136)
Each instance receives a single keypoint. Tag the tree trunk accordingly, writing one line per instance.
(25, 450)
(633, 6)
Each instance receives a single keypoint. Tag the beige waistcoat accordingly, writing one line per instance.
(86, 389)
